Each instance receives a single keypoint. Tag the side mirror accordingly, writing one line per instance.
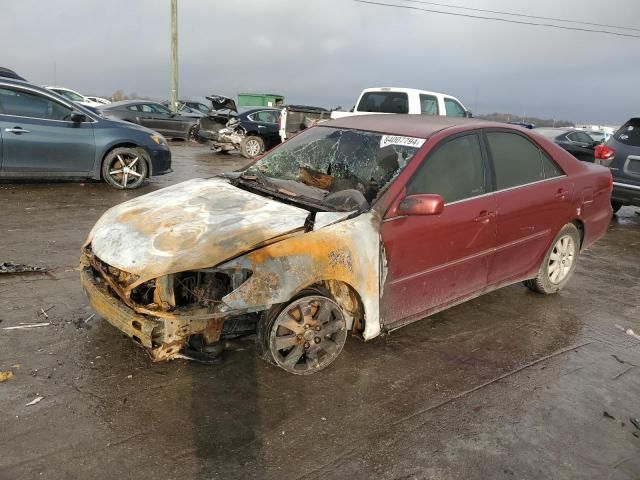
(77, 117)
(421, 204)
(468, 114)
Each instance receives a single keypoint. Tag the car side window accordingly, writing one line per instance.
(453, 108)
(455, 170)
(428, 105)
(264, 116)
(160, 109)
(583, 137)
(146, 108)
(518, 161)
(133, 108)
(26, 104)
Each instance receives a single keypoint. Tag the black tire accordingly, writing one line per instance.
(251, 146)
(192, 134)
(119, 158)
(315, 354)
(544, 282)
(616, 206)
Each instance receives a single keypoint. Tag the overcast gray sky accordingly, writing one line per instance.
(324, 52)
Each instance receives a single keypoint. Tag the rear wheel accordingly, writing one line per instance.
(559, 262)
(616, 206)
(125, 168)
(251, 146)
(306, 335)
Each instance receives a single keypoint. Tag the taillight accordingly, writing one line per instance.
(604, 155)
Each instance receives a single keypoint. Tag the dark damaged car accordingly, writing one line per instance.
(251, 132)
(358, 226)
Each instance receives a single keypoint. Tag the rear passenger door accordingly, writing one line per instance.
(266, 125)
(532, 197)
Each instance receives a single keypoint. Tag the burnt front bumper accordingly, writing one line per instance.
(142, 329)
(162, 337)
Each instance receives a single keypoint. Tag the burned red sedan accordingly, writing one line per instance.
(359, 225)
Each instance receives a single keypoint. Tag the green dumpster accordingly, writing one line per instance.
(259, 100)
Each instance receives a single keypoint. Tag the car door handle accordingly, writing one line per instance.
(16, 130)
(485, 216)
(261, 126)
(561, 194)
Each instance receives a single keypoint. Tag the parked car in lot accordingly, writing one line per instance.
(74, 96)
(361, 225)
(621, 153)
(576, 142)
(43, 135)
(99, 100)
(152, 115)
(196, 106)
(251, 132)
(405, 100)
(185, 110)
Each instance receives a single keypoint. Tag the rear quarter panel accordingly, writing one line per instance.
(591, 191)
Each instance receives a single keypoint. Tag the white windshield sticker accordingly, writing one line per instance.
(387, 140)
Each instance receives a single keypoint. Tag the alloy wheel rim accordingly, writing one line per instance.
(125, 170)
(561, 259)
(308, 334)
(253, 148)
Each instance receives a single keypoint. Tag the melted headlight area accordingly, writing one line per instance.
(200, 289)
(170, 312)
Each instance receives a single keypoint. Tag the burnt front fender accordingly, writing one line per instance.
(347, 252)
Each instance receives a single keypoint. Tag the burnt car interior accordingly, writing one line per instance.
(329, 169)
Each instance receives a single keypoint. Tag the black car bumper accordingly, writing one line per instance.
(625, 193)
(160, 159)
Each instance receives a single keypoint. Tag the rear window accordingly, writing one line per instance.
(384, 102)
(629, 133)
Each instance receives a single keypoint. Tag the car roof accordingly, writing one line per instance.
(406, 90)
(123, 103)
(420, 126)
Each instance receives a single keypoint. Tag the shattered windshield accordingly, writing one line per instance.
(339, 167)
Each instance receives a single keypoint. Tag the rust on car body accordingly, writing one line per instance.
(209, 226)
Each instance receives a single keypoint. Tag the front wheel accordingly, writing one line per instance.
(559, 262)
(125, 168)
(251, 146)
(306, 335)
(192, 134)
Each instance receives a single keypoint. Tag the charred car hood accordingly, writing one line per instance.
(195, 224)
(218, 102)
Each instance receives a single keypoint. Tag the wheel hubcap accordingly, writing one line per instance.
(561, 259)
(253, 148)
(125, 170)
(308, 334)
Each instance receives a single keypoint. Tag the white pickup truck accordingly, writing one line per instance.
(405, 100)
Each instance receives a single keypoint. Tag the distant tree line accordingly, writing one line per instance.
(538, 122)
(119, 95)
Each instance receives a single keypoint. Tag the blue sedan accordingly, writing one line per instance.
(43, 135)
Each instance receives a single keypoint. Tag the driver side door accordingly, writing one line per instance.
(436, 260)
(38, 137)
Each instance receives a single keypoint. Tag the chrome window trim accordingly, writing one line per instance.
(507, 189)
(626, 185)
(38, 92)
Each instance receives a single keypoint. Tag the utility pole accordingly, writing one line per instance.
(174, 55)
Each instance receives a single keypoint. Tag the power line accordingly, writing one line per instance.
(504, 20)
(535, 17)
